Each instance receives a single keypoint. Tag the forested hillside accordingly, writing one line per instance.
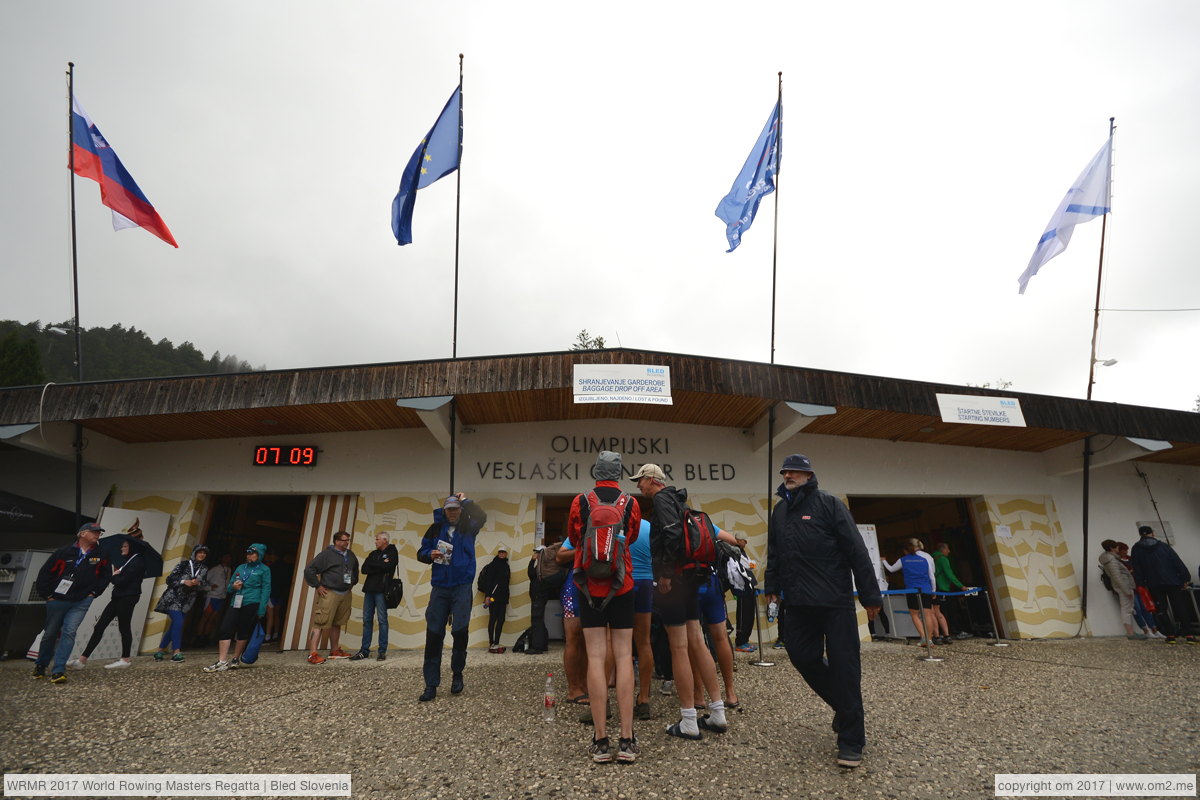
(32, 353)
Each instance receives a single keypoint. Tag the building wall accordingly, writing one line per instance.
(395, 478)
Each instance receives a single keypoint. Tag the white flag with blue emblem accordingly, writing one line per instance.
(1089, 197)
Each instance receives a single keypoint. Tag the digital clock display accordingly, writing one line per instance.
(285, 456)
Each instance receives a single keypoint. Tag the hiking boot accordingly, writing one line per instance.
(58, 677)
(360, 656)
(220, 666)
(627, 750)
(456, 683)
(599, 751)
(39, 671)
(316, 658)
(849, 757)
(338, 653)
(427, 695)
(641, 711)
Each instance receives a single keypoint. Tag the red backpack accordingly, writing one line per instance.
(602, 548)
(699, 540)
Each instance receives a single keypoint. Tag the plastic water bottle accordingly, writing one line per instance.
(772, 611)
(548, 699)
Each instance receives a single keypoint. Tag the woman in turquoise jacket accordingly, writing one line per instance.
(248, 591)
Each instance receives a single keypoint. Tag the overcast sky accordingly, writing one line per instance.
(926, 145)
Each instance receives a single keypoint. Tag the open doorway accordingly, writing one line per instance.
(933, 520)
(238, 521)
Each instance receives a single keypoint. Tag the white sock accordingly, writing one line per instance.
(717, 712)
(688, 722)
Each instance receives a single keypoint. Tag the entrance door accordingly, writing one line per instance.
(238, 521)
(933, 520)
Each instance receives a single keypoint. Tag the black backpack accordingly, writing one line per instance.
(1107, 581)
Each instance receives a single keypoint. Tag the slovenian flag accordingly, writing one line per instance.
(95, 159)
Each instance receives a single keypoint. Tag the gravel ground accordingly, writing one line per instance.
(935, 730)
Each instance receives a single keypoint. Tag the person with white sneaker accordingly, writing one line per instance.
(249, 587)
(126, 591)
(813, 549)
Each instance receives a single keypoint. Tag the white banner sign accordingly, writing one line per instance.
(973, 410)
(622, 383)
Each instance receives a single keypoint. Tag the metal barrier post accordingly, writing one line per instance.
(995, 628)
(758, 630)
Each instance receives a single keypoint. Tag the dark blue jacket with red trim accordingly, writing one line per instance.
(90, 573)
(813, 547)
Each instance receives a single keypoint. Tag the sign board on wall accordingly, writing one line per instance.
(975, 410)
(622, 383)
(870, 538)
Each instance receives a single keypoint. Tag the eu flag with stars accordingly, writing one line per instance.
(437, 156)
(756, 180)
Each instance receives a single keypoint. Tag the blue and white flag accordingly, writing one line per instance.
(436, 156)
(755, 181)
(1089, 197)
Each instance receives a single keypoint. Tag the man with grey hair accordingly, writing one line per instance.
(380, 568)
(813, 548)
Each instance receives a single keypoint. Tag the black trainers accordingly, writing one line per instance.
(627, 750)
(456, 684)
(849, 757)
(427, 695)
(1169, 640)
(599, 751)
(58, 677)
(381, 657)
(39, 671)
(360, 656)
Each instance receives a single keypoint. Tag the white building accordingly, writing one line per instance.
(386, 438)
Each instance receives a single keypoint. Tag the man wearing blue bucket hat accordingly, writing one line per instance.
(813, 548)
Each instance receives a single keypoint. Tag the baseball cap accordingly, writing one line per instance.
(649, 471)
(452, 502)
(796, 463)
(90, 526)
(1145, 530)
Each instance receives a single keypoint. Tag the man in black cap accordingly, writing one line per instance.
(813, 548)
(1160, 569)
(70, 580)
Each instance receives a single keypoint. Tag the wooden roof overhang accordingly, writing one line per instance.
(537, 387)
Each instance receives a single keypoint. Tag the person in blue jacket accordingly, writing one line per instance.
(449, 545)
(247, 593)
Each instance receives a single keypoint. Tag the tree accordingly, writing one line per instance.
(1197, 408)
(585, 341)
(999, 385)
(20, 362)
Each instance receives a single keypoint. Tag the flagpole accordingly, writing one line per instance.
(1087, 442)
(1100, 272)
(774, 272)
(78, 443)
(775, 245)
(457, 219)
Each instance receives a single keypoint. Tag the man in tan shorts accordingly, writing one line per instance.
(333, 573)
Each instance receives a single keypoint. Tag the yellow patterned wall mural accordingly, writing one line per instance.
(1037, 590)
